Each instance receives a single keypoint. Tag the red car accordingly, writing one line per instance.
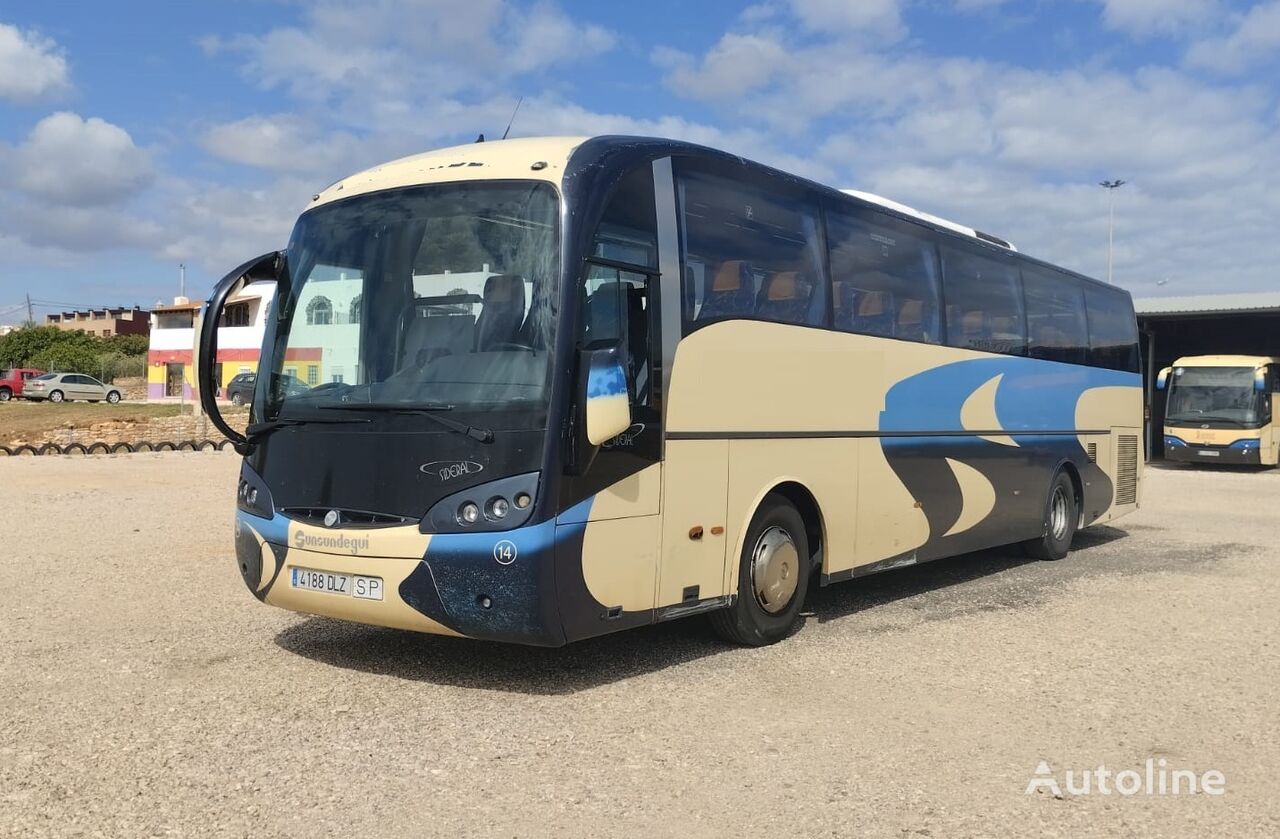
(11, 381)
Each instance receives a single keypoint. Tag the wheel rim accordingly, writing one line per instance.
(56, 397)
(1058, 514)
(775, 570)
(113, 397)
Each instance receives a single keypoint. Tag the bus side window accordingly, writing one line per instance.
(984, 302)
(752, 248)
(1056, 325)
(1113, 330)
(884, 277)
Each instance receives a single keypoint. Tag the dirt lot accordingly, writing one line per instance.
(33, 421)
(147, 693)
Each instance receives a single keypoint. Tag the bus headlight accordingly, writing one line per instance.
(498, 508)
(252, 494)
(504, 504)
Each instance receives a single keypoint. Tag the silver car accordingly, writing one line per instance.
(57, 387)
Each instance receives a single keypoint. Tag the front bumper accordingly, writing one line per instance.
(1241, 452)
(440, 584)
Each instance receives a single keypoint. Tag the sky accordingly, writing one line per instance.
(143, 134)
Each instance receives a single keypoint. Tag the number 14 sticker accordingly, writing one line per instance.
(505, 552)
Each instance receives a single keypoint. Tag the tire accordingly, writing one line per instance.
(113, 397)
(776, 532)
(55, 396)
(98, 448)
(237, 399)
(5, 394)
(1061, 515)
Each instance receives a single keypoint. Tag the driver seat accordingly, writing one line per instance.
(502, 311)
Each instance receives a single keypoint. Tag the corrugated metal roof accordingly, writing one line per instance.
(1259, 301)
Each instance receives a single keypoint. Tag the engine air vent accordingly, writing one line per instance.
(1127, 469)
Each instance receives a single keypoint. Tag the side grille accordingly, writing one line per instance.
(1127, 469)
(346, 518)
(1091, 451)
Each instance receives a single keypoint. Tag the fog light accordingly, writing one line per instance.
(523, 500)
(252, 495)
(469, 513)
(499, 507)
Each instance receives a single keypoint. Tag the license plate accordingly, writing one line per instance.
(1204, 453)
(329, 582)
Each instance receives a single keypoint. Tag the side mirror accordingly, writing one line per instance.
(266, 267)
(1260, 380)
(1162, 380)
(603, 404)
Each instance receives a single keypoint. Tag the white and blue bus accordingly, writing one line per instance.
(539, 390)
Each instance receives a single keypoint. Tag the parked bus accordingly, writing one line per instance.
(1221, 409)
(560, 387)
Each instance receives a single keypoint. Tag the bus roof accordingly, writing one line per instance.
(1226, 360)
(532, 158)
(548, 159)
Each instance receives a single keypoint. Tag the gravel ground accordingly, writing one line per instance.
(145, 692)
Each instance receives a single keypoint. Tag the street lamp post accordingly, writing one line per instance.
(1111, 187)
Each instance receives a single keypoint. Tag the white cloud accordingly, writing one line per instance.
(734, 66)
(31, 66)
(1145, 18)
(878, 17)
(1018, 151)
(67, 159)
(281, 142)
(1255, 39)
(391, 49)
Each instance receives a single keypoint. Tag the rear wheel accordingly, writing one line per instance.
(237, 399)
(773, 578)
(1061, 515)
(55, 396)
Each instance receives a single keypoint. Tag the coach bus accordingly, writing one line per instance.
(1221, 409)
(538, 390)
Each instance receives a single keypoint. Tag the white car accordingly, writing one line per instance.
(57, 387)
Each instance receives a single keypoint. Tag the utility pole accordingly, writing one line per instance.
(1111, 187)
(31, 315)
(182, 279)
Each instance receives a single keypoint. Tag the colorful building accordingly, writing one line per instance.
(170, 374)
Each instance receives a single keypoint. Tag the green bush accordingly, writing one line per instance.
(50, 348)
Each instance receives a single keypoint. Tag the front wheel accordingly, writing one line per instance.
(56, 396)
(5, 394)
(773, 578)
(1061, 515)
(113, 397)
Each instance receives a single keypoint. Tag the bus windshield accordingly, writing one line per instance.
(1212, 394)
(429, 298)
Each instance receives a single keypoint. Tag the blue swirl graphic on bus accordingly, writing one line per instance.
(1033, 395)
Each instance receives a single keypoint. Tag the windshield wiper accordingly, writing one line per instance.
(258, 430)
(428, 410)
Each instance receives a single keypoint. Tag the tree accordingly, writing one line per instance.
(21, 347)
